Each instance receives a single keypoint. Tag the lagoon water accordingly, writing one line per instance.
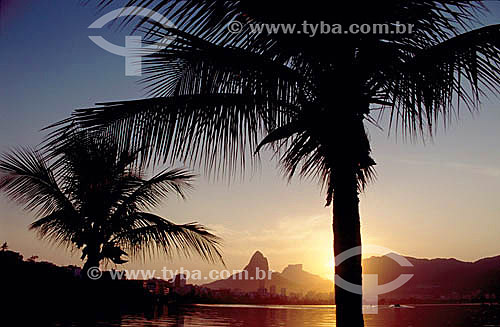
(296, 316)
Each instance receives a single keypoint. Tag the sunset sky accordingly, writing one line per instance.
(440, 199)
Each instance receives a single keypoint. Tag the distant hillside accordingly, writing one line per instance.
(293, 279)
(438, 278)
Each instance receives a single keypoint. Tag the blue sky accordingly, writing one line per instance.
(437, 200)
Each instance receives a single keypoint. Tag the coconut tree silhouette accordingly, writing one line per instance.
(92, 196)
(222, 90)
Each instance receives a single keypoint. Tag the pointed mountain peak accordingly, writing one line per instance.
(257, 254)
(257, 261)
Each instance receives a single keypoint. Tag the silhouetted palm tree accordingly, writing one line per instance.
(216, 94)
(93, 197)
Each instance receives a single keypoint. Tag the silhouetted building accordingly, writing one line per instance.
(157, 286)
(283, 292)
(272, 289)
(180, 281)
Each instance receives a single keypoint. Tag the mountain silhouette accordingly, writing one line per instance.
(293, 279)
(432, 278)
(258, 261)
(438, 278)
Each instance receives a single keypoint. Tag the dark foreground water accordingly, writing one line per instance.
(290, 316)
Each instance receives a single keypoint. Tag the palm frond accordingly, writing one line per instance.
(209, 16)
(60, 227)
(197, 129)
(156, 234)
(26, 178)
(149, 193)
(280, 133)
(431, 85)
(192, 65)
(209, 19)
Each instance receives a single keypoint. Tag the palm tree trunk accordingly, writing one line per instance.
(92, 261)
(347, 235)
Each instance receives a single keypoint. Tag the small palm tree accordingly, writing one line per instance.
(218, 95)
(93, 197)
(4, 247)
